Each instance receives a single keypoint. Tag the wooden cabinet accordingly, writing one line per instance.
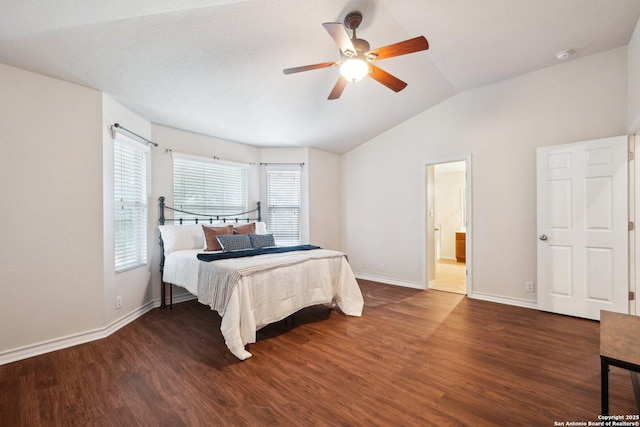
(461, 246)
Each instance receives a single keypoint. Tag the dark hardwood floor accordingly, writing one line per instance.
(414, 358)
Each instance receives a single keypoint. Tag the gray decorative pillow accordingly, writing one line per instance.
(234, 242)
(261, 240)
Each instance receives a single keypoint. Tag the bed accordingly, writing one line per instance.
(250, 287)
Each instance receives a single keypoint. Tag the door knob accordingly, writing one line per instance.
(543, 237)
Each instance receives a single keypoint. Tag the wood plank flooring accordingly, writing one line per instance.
(414, 358)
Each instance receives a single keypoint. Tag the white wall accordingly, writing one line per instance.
(325, 203)
(133, 286)
(51, 253)
(633, 113)
(500, 125)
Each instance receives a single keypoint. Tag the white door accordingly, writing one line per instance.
(583, 228)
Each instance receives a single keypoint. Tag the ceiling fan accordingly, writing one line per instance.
(357, 58)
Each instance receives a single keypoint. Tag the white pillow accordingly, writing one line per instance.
(181, 237)
(261, 228)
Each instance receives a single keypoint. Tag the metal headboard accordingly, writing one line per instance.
(197, 219)
(203, 218)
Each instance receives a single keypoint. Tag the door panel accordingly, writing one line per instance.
(600, 274)
(561, 270)
(560, 204)
(582, 227)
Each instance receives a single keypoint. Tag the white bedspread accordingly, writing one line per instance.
(264, 289)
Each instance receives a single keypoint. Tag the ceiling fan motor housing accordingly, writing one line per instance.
(361, 46)
(353, 20)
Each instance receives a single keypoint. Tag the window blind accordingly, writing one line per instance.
(130, 204)
(283, 202)
(207, 186)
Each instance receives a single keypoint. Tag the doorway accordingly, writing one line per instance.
(447, 223)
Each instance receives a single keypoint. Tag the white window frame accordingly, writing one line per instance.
(284, 203)
(130, 201)
(209, 186)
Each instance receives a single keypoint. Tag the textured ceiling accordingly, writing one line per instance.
(215, 67)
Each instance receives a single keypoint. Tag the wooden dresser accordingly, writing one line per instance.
(461, 246)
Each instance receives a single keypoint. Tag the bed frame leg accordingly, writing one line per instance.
(163, 295)
(163, 303)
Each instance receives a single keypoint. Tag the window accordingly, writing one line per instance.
(209, 186)
(283, 201)
(130, 203)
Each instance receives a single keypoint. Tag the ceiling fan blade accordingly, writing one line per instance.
(401, 48)
(340, 37)
(393, 83)
(309, 67)
(338, 88)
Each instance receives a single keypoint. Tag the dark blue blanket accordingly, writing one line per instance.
(254, 252)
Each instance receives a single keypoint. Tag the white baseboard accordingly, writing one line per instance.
(504, 300)
(389, 281)
(177, 298)
(25, 352)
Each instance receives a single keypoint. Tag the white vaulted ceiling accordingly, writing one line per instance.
(215, 67)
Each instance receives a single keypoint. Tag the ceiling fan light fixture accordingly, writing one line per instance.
(354, 69)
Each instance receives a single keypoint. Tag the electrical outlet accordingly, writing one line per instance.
(381, 267)
(528, 286)
(118, 302)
